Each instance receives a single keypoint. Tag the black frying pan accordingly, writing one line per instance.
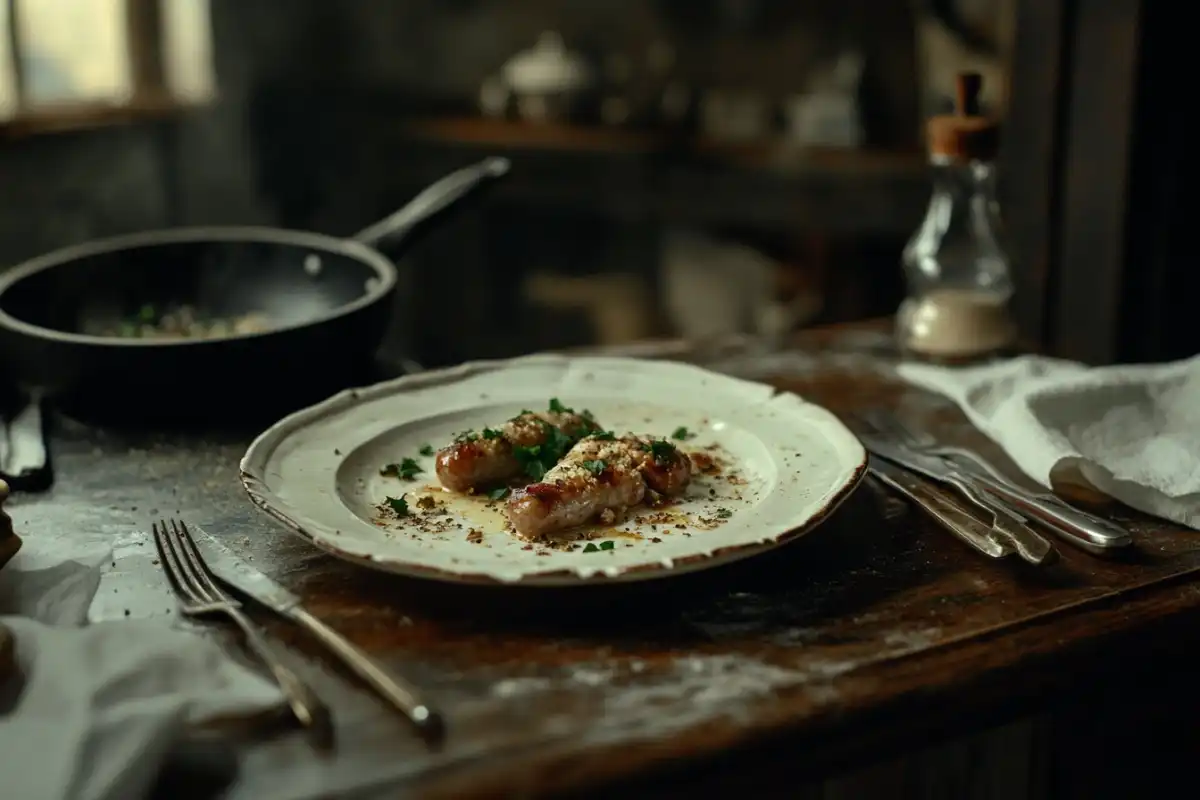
(327, 302)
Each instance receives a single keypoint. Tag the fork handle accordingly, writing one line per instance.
(949, 516)
(399, 693)
(308, 709)
(1029, 545)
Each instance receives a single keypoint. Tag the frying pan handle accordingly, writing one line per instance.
(433, 201)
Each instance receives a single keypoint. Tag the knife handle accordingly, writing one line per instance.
(396, 691)
(1084, 530)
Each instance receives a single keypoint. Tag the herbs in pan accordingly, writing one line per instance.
(183, 322)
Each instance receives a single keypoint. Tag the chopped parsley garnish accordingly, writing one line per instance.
(604, 436)
(490, 433)
(605, 545)
(406, 469)
(536, 460)
(681, 433)
(587, 414)
(724, 513)
(596, 467)
(662, 450)
(558, 408)
(533, 461)
(426, 450)
(399, 505)
(498, 494)
(147, 315)
(466, 436)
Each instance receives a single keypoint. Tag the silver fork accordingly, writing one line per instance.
(199, 595)
(1084, 530)
(1005, 522)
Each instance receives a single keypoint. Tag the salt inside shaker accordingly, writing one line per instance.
(956, 264)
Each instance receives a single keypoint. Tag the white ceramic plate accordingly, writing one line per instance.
(784, 465)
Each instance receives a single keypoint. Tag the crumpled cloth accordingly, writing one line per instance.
(1131, 432)
(95, 710)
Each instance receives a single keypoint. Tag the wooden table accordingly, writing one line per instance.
(875, 634)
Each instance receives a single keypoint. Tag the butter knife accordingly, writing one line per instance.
(239, 575)
(1031, 546)
(951, 517)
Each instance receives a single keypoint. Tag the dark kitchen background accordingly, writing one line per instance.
(687, 167)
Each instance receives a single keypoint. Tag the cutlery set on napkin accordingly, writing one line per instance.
(1129, 433)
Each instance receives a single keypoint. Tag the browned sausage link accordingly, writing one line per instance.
(478, 459)
(665, 468)
(597, 475)
(467, 465)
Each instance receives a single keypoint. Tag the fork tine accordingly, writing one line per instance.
(860, 422)
(891, 425)
(194, 575)
(186, 571)
(166, 554)
(200, 569)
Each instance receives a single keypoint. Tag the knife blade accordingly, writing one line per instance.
(239, 575)
(1029, 544)
(231, 569)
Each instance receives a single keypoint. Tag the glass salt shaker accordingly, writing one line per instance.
(956, 265)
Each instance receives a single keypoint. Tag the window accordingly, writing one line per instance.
(93, 60)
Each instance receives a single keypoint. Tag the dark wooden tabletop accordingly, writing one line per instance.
(874, 630)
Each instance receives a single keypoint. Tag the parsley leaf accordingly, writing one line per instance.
(399, 505)
(662, 450)
(490, 433)
(724, 513)
(406, 469)
(498, 494)
(607, 545)
(536, 460)
(558, 408)
(532, 461)
(466, 436)
(596, 467)
(426, 450)
(604, 436)
(591, 548)
(681, 433)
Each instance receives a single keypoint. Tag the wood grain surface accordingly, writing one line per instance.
(871, 635)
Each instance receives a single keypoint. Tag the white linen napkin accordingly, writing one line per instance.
(1131, 432)
(97, 709)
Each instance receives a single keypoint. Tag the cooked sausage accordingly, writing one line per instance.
(665, 468)
(481, 458)
(598, 474)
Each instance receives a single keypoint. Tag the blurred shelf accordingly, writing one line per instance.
(513, 135)
(661, 177)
